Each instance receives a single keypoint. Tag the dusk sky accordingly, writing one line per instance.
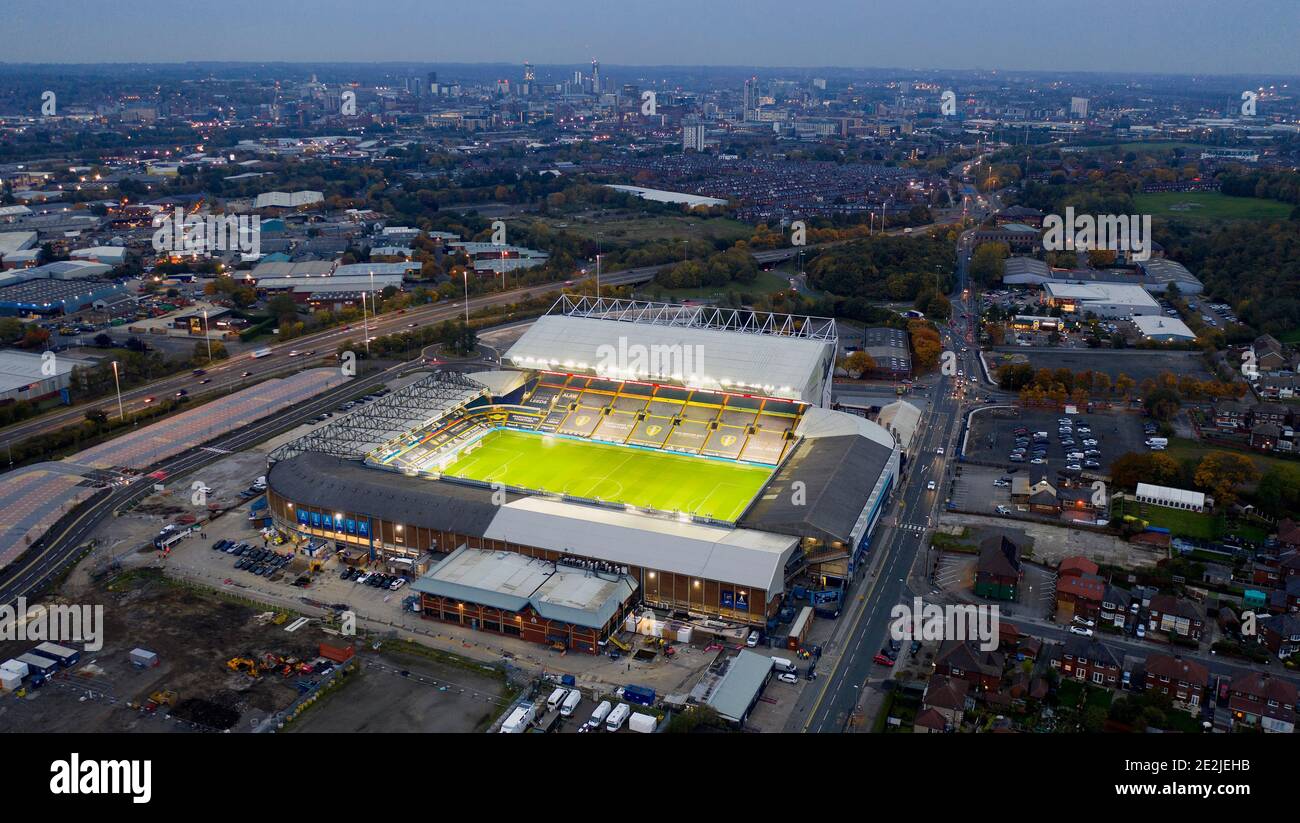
(1175, 36)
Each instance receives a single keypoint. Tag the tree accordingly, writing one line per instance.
(858, 363)
(1145, 467)
(1223, 474)
(987, 262)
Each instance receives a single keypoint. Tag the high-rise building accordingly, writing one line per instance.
(693, 134)
(529, 81)
(595, 76)
(751, 96)
(1079, 107)
(431, 83)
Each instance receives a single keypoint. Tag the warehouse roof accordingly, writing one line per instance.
(1155, 326)
(510, 581)
(741, 685)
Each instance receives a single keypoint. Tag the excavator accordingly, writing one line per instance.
(164, 697)
(245, 665)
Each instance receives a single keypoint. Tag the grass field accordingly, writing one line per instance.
(636, 477)
(1209, 205)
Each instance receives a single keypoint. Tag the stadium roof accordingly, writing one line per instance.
(689, 350)
(742, 556)
(837, 474)
(511, 581)
(336, 484)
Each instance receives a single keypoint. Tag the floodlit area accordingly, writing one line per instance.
(659, 480)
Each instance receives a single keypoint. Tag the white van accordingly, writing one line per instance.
(617, 717)
(752, 640)
(599, 715)
(570, 703)
(557, 697)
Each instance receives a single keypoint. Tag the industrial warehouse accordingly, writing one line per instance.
(550, 501)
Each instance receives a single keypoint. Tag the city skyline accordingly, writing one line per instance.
(1197, 37)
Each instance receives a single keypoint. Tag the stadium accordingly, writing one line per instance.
(637, 455)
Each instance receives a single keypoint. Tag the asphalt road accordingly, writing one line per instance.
(59, 547)
(896, 552)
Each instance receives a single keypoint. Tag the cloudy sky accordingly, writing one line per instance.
(1174, 36)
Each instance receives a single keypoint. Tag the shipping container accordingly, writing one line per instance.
(18, 667)
(64, 656)
(799, 631)
(639, 695)
(339, 654)
(143, 658)
(570, 704)
(643, 723)
(37, 664)
(9, 680)
(617, 717)
(598, 716)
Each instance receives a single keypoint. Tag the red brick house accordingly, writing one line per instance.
(1088, 660)
(1288, 534)
(1281, 634)
(1184, 681)
(963, 659)
(1079, 595)
(1178, 618)
(948, 696)
(1261, 701)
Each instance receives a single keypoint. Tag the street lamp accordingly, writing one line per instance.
(598, 276)
(207, 336)
(118, 384)
(365, 322)
(466, 273)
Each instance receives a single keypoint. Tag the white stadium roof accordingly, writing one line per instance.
(742, 556)
(664, 344)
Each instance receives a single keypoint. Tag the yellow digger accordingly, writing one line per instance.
(243, 664)
(164, 697)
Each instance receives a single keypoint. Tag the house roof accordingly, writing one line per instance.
(967, 656)
(999, 556)
(1085, 586)
(1265, 687)
(1091, 649)
(1178, 668)
(930, 719)
(1081, 565)
(947, 692)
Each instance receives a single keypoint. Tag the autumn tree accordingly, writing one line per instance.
(1223, 474)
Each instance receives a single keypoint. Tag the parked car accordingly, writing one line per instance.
(1080, 630)
(881, 660)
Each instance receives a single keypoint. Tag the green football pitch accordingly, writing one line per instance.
(636, 477)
